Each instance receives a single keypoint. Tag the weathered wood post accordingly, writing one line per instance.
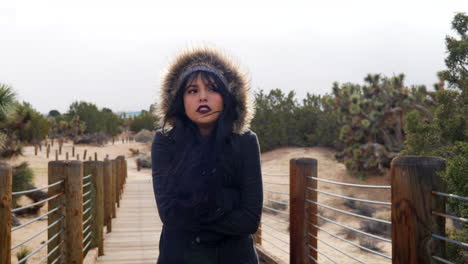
(35, 150)
(84, 154)
(413, 179)
(73, 151)
(48, 151)
(56, 155)
(56, 173)
(114, 188)
(96, 168)
(66, 156)
(121, 175)
(107, 195)
(77, 156)
(95, 156)
(301, 213)
(5, 212)
(74, 212)
(60, 149)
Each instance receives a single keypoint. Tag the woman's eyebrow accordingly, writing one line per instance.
(191, 85)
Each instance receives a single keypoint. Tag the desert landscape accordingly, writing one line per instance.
(274, 232)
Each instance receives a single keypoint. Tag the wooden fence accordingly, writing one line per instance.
(79, 207)
(417, 215)
(82, 199)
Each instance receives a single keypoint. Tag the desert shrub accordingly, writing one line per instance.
(457, 253)
(144, 136)
(145, 121)
(369, 243)
(22, 253)
(22, 179)
(134, 152)
(145, 160)
(360, 207)
(378, 228)
(348, 234)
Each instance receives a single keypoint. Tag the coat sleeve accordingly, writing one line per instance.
(172, 214)
(244, 219)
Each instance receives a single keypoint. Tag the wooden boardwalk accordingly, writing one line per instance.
(136, 229)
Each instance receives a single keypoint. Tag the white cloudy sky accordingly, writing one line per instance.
(111, 53)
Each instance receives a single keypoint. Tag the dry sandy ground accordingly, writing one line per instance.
(273, 162)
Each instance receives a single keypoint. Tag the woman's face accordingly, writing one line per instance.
(201, 101)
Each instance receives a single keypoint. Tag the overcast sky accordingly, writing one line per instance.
(112, 53)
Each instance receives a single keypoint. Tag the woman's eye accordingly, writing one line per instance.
(191, 91)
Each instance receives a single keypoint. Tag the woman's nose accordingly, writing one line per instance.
(202, 94)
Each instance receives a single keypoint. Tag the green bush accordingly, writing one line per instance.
(22, 178)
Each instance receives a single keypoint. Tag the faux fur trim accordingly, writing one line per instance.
(238, 84)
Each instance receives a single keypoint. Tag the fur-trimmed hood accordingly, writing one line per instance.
(237, 81)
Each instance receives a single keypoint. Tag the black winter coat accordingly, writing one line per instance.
(226, 237)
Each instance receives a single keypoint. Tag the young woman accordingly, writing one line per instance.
(206, 163)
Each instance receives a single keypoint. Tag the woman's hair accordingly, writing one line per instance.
(187, 132)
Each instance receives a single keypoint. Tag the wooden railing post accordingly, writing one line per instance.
(56, 173)
(121, 174)
(114, 188)
(5, 212)
(74, 212)
(413, 179)
(95, 168)
(300, 212)
(108, 195)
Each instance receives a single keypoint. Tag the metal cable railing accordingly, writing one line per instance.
(270, 191)
(351, 184)
(59, 257)
(276, 183)
(273, 205)
(349, 198)
(313, 259)
(277, 238)
(37, 189)
(462, 244)
(37, 203)
(23, 260)
(275, 201)
(275, 219)
(442, 260)
(87, 176)
(35, 235)
(321, 253)
(349, 213)
(354, 230)
(461, 219)
(87, 230)
(275, 175)
(450, 195)
(35, 219)
(274, 210)
(50, 253)
(337, 249)
(276, 246)
(346, 227)
(352, 243)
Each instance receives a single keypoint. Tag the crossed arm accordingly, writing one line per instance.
(242, 220)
